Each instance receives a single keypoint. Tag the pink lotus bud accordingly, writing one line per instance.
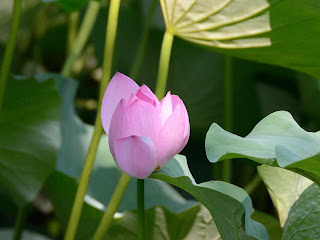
(144, 134)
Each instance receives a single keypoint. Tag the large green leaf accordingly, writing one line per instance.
(195, 223)
(277, 140)
(230, 206)
(29, 137)
(303, 220)
(284, 187)
(280, 32)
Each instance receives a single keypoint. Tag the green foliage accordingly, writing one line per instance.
(277, 141)
(69, 5)
(272, 224)
(230, 206)
(284, 187)
(30, 137)
(279, 32)
(193, 223)
(303, 218)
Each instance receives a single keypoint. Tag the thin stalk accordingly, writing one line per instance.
(20, 221)
(112, 207)
(227, 165)
(82, 37)
(143, 43)
(73, 24)
(111, 34)
(164, 64)
(98, 130)
(83, 184)
(140, 210)
(253, 184)
(8, 54)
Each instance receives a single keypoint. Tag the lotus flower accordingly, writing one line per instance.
(144, 133)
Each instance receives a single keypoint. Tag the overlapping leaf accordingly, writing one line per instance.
(276, 140)
(272, 224)
(29, 137)
(230, 206)
(303, 218)
(195, 223)
(280, 32)
(284, 187)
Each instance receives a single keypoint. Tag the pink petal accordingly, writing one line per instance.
(120, 125)
(147, 95)
(176, 100)
(132, 99)
(166, 108)
(186, 133)
(144, 119)
(136, 156)
(119, 87)
(171, 138)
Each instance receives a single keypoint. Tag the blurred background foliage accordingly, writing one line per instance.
(196, 75)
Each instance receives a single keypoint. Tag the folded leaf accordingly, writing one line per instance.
(230, 206)
(284, 187)
(277, 140)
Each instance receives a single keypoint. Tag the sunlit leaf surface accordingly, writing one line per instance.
(276, 140)
(280, 32)
(284, 187)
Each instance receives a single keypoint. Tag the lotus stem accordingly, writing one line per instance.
(164, 64)
(98, 130)
(140, 210)
(82, 37)
(8, 54)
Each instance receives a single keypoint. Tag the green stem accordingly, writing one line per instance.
(20, 221)
(82, 37)
(227, 164)
(112, 207)
(253, 184)
(8, 54)
(164, 64)
(143, 43)
(111, 34)
(83, 184)
(72, 29)
(140, 210)
(98, 130)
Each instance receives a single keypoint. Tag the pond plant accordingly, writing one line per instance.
(89, 151)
